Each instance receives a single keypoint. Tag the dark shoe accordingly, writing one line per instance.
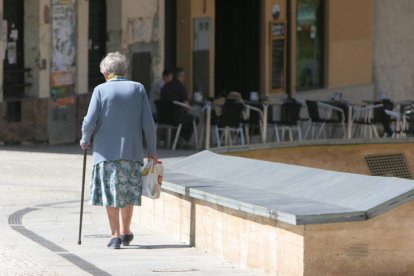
(127, 239)
(115, 243)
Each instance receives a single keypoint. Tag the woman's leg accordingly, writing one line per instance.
(126, 215)
(113, 216)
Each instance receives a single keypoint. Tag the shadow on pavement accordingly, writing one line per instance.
(75, 149)
(159, 246)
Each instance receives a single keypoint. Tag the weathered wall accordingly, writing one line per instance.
(383, 245)
(143, 31)
(33, 124)
(342, 158)
(37, 47)
(393, 44)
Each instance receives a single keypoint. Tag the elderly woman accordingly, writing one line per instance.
(118, 114)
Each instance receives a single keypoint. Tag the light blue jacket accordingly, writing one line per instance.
(118, 113)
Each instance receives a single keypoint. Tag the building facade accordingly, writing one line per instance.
(51, 50)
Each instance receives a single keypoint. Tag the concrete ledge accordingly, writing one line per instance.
(308, 143)
(291, 221)
(287, 193)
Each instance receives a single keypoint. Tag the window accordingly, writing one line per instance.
(309, 44)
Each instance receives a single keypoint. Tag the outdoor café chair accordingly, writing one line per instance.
(169, 117)
(321, 114)
(288, 120)
(363, 120)
(229, 125)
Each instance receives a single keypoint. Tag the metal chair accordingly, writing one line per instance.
(229, 123)
(253, 119)
(288, 119)
(321, 114)
(363, 119)
(170, 117)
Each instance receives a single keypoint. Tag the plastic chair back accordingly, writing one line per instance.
(290, 112)
(232, 114)
(313, 111)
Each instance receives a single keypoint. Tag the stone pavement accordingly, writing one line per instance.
(39, 213)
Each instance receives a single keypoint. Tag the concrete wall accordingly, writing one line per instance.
(383, 245)
(393, 43)
(231, 234)
(349, 42)
(342, 158)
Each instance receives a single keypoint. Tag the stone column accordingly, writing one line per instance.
(82, 52)
(44, 53)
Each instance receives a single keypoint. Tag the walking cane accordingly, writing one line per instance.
(85, 151)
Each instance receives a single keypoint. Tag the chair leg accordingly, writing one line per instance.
(308, 130)
(195, 134)
(218, 139)
(290, 134)
(226, 136)
(177, 134)
(169, 133)
(247, 129)
(375, 131)
(344, 130)
(299, 133)
(241, 136)
(276, 133)
(322, 127)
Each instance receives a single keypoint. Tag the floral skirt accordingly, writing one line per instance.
(116, 184)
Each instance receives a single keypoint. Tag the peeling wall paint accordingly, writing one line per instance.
(143, 31)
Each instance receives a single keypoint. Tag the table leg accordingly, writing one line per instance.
(350, 109)
(208, 127)
(264, 123)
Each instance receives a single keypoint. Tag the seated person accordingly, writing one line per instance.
(381, 116)
(175, 90)
(155, 91)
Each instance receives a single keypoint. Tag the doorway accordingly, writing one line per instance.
(237, 53)
(97, 41)
(14, 71)
(170, 36)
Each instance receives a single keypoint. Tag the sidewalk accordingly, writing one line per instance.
(39, 216)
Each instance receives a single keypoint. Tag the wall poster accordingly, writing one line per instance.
(62, 112)
(63, 69)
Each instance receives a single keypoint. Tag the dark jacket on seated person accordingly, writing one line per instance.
(174, 91)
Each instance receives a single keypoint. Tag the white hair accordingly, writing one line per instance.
(114, 64)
